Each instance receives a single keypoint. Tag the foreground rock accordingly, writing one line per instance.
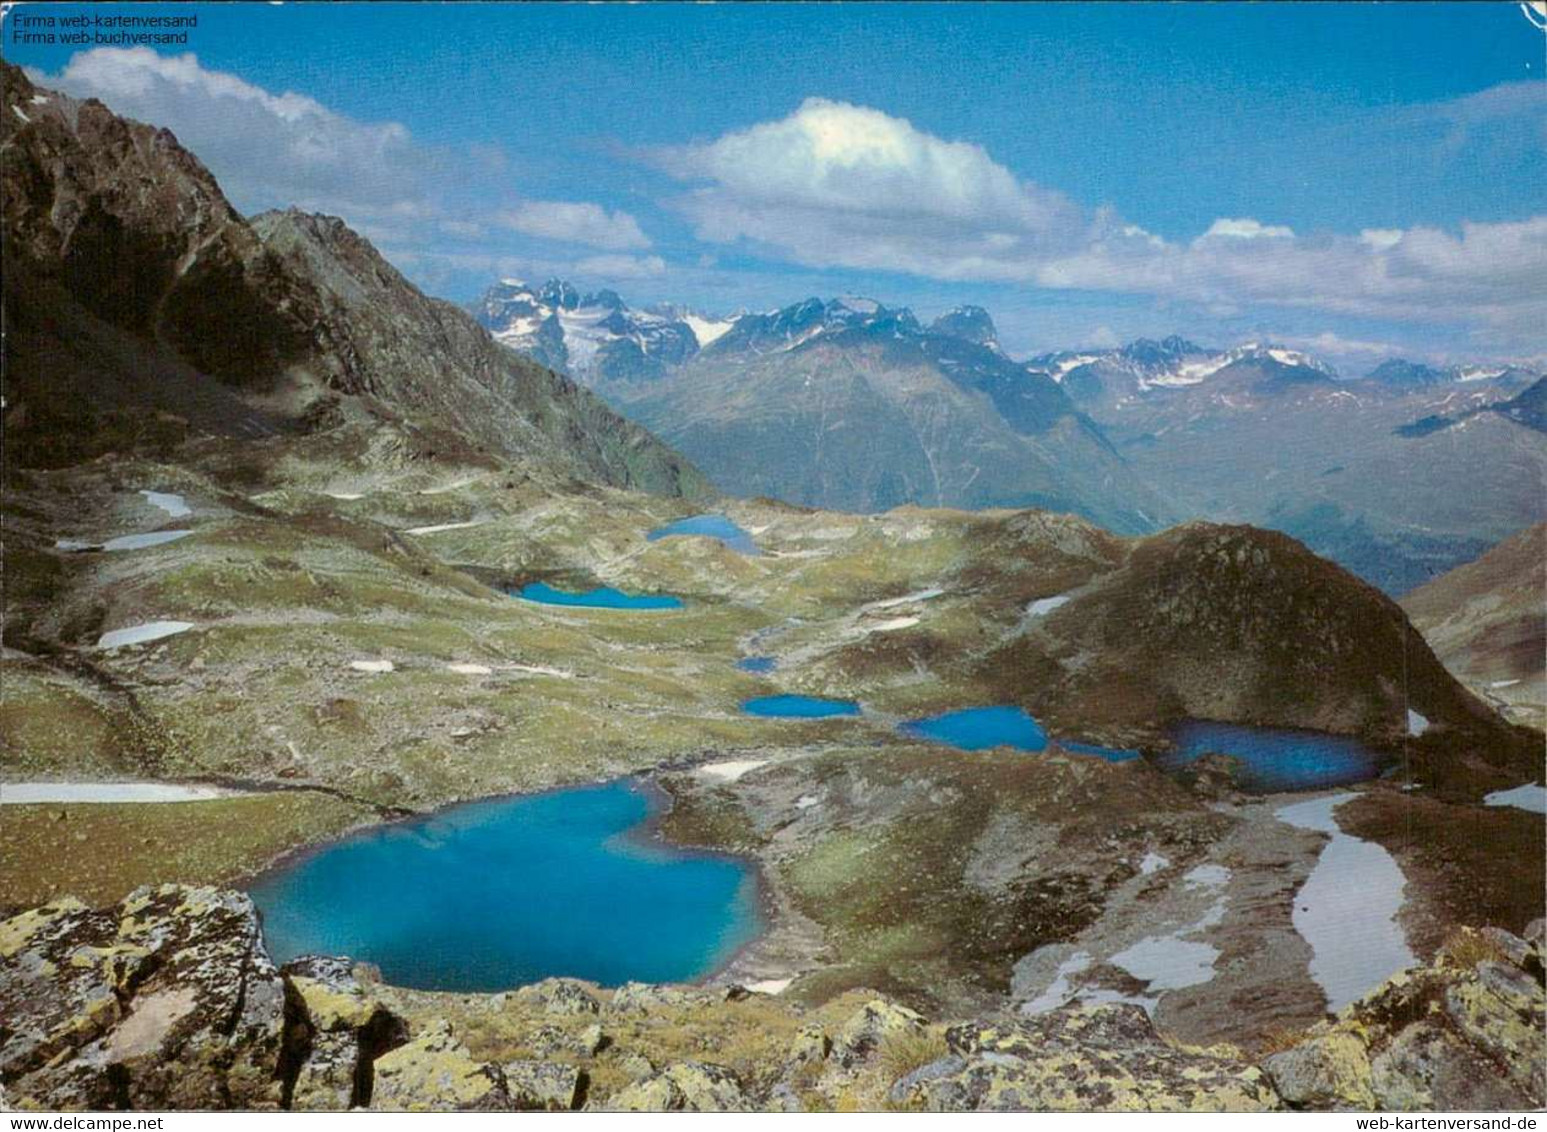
(1095, 1059)
(169, 1001)
(1468, 1033)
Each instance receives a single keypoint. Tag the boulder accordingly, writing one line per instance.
(1329, 1071)
(1429, 1069)
(863, 1031)
(686, 1086)
(810, 1044)
(335, 1029)
(560, 996)
(543, 1086)
(1502, 1011)
(647, 998)
(551, 1041)
(166, 1001)
(435, 1073)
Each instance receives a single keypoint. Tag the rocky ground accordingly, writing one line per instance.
(168, 1000)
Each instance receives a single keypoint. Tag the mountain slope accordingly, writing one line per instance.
(1383, 474)
(848, 404)
(141, 307)
(1487, 620)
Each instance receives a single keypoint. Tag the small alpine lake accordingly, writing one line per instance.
(979, 728)
(602, 597)
(494, 894)
(798, 707)
(1274, 758)
(717, 527)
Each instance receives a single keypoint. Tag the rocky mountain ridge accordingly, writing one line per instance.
(142, 308)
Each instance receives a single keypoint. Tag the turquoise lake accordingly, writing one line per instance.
(709, 526)
(495, 894)
(603, 597)
(758, 664)
(799, 707)
(979, 728)
(1273, 758)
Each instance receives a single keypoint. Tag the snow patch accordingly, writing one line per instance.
(1153, 863)
(438, 527)
(707, 330)
(1416, 724)
(34, 793)
(141, 634)
(174, 505)
(730, 770)
(1529, 797)
(371, 665)
(769, 986)
(1045, 605)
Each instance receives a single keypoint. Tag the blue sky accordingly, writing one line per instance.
(1361, 179)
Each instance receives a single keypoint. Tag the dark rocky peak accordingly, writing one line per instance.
(1150, 354)
(605, 298)
(558, 293)
(1401, 372)
(970, 323)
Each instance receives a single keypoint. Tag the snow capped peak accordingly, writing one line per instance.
(971, 323)
(1477, 373)
(591, 337)
(707, 330)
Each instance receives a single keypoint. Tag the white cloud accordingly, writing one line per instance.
(576, 222)
(266, 149)
(1247, 229)
(835, 185)
(621, 266)
(1381, 239)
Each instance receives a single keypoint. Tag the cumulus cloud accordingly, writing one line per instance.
(576, 222)
(837, 185)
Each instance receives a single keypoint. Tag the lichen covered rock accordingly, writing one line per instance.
(435, 1073)
(560, 996)
(335, 1029)
(543, 1086)
(1092, 1059)
(687, 1086)
(863, 1031)
(166, 1001)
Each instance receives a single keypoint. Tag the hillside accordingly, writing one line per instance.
(1487, 621)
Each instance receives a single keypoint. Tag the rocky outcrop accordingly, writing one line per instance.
(1467, 1033)
(335, 1030)
(166, 1001)
(1095, 1059)
(169, 1001)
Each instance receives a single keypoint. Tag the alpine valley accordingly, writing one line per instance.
(889, 723)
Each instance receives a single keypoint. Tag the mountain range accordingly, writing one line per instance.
(851, 404)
